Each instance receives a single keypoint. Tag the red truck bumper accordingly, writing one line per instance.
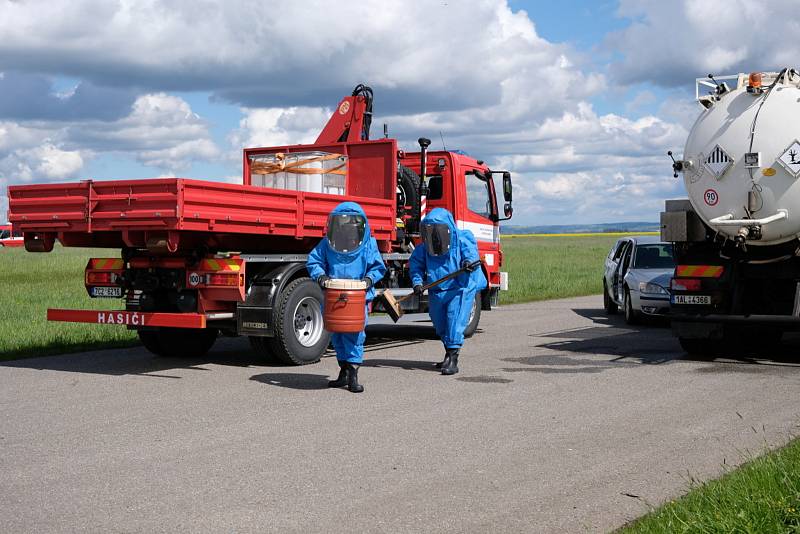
(128, 318)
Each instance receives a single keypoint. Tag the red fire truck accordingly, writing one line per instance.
(9, 237)
(202, 258)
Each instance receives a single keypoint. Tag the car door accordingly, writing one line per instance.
(622, 270)
(611, 263)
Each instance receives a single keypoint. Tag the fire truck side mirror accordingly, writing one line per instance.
(507, 187)
(508, 211)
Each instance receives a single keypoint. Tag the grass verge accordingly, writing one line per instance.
(31, 283)
(761, 496)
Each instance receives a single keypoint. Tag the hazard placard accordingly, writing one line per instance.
(790, 159)
(718, 161)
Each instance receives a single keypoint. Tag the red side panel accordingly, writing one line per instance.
(128, 318)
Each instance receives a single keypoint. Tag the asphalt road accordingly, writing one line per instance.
(562, 420)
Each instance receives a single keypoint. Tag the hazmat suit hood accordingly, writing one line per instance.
(363, 261)
(350, 208)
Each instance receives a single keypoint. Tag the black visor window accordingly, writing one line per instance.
(436, 238)
(346, 232)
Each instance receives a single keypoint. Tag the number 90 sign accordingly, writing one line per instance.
(711, 197)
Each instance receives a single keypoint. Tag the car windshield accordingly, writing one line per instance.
(654, 257)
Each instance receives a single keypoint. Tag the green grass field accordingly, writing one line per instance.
(545, 267)
(31, 283)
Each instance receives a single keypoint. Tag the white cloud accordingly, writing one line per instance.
(161, 131)
(672, 43)
(423, 55)
(277, 126)
(487, 80)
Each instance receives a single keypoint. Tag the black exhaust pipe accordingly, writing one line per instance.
(423, 182)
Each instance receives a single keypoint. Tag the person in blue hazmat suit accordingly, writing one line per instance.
(446, 249)
(348, 251)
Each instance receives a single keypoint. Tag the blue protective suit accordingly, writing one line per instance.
(364, 261)
(450, 303)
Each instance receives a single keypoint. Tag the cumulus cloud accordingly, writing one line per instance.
(291, 53)
(477, 71)
(161, 131)
(279, 126)
(671, 43)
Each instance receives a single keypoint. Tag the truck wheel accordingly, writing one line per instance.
(300, 335)
(149, 339)
(631, 315)
(698, 347)
(474, 317)
(261, 347)
(178, 342)
(407, 194)
(609, 305)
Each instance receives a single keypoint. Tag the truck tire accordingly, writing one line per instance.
(300, 335)
(408, 195)
(474, 317)
(609, 305)
(178, 342)
(631, 316)
(261, 347)
(149, 339)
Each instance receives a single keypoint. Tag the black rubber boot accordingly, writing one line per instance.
(452, 363)
(446, 362)
(341, 381)
(352, 378)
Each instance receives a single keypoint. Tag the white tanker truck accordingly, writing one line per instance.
(737, 238)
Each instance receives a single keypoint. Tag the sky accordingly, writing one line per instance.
(579, 99)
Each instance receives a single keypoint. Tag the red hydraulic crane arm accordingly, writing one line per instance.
(351, 120)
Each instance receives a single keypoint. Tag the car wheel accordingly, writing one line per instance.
(631, 315)
(609, 305)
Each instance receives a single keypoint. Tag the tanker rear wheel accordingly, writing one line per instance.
(300, 335)
(705, 348)
(178, 342)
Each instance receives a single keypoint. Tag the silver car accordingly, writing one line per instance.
(636, 278)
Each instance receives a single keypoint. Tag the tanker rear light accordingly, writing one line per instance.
(101, 278)
(685, 284)
(225, 279)
(699, 271)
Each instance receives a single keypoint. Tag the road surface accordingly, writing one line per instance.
(562, 420)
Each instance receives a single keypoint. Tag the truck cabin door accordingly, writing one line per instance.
(477, 211)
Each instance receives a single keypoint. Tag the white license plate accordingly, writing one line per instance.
(107, 292)
(691, 299)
